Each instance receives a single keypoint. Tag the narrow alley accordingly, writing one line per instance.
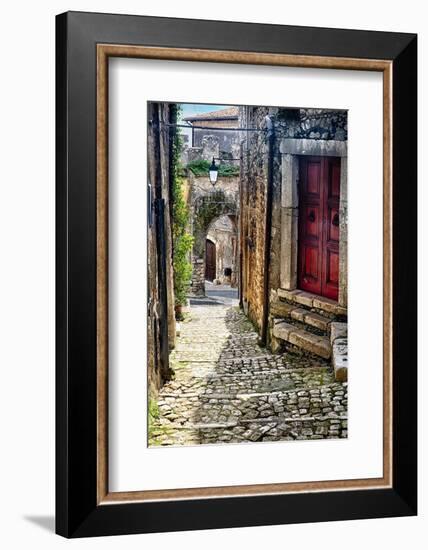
(227, 388)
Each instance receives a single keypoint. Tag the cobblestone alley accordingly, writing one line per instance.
(228, 389)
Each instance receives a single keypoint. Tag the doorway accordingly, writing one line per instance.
(318, 255)
(210, 260)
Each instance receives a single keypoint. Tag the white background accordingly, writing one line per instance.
(132, 83)
(27, 275)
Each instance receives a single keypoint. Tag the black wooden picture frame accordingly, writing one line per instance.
(79, 512)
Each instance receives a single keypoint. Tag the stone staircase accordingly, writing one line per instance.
(311, 323)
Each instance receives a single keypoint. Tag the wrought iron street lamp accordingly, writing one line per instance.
(213, 172)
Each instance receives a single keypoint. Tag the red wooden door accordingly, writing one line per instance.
(210, 261)
(319, 196)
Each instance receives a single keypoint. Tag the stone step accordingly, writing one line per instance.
(312, 343)
(284, 310)
(212, 373)
(200, 357)
(242, 421)
(251, 387)
(201, 371)
(310, 318)
(322, 409)
(312, 301)
(274, 429)
(314, 394)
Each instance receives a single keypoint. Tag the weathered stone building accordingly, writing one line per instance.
(293, 228)
(161, 317)
(225, 143)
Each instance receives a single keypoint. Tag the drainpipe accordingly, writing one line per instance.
(268, 230)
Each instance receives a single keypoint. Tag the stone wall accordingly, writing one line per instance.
(197, 287)
(211, 145)
(321, 124)
(254, 178)
(228, 142)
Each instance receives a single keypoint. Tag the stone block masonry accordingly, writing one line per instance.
(197, 286)
(254, 167)
(210, 147)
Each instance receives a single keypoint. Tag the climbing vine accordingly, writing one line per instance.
(181, 240)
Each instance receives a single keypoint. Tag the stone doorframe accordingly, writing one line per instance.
(290, 150)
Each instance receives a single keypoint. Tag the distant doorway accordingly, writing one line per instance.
(210, 261)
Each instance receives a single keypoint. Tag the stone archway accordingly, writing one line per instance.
(206, 209)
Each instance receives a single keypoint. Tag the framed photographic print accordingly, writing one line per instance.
(236, 274)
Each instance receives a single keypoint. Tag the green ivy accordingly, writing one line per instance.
(182, 267)
(201, 167)
(182, 241)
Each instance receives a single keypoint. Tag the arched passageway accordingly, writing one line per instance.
(209, 209)
(222, 232)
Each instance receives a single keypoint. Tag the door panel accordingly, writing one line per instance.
(334, 180)
(313, 179)
(319, 225)
(310, 225)
(311, 263)
(333, 225)
(312, 216)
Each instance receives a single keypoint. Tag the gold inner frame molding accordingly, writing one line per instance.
(104, 52)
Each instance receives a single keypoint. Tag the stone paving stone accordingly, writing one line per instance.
(227, 389)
